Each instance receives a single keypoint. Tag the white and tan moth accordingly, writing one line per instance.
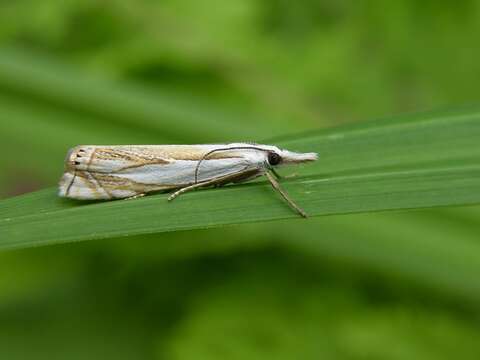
(114, 172)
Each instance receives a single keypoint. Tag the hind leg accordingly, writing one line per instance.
(222, 180)
(135, 196)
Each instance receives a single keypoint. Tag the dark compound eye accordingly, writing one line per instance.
(274, 158)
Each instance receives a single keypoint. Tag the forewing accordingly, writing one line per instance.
(106, 172)
(112, 159)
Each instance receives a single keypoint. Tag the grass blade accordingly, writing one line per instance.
(404, 163)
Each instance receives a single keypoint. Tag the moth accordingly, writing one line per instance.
(129, 171)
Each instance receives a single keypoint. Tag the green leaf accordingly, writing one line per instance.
(420, 161)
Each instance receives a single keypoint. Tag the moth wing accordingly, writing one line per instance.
(112, 159)
(79, 186)
(182, 172)
(106, 172)
(83, 185)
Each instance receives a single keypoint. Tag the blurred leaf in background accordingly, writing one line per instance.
(389, 286)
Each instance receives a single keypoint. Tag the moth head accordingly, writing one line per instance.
(278, 156)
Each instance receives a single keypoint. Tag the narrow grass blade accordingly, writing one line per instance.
(403, 163)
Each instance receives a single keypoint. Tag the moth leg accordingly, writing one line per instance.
(282, 192)
(216, 181)
(191, 187)
(277, 175)
(135, 196)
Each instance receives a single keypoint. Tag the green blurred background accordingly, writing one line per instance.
(374, 286)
